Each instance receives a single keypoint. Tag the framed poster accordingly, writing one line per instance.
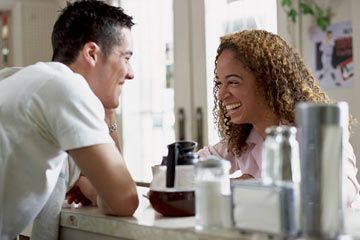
(331, 54)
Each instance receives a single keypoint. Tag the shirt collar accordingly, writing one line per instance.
(60, 66)
(254, 137)
(256, 141)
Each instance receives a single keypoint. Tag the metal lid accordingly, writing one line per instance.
(321, 114)
(271, 131)
(212, 162)
(287, 131)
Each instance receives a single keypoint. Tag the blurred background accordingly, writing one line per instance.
(175, 43)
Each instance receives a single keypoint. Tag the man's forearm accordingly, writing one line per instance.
(113, 183)
(103, 206)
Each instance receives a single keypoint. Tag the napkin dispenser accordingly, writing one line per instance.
(265, 208)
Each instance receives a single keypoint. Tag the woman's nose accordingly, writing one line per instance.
(222, 94)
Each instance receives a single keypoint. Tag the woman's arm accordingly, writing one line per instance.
(219, 150)
(352, 186)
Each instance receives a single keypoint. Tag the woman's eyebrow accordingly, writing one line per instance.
(233, 75)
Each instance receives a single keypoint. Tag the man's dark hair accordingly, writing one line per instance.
(84, 21)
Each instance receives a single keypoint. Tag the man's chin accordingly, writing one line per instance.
(111, 105)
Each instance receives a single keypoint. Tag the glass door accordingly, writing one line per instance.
(171, 98)
(147, 107)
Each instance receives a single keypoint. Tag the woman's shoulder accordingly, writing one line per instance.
(219, 149)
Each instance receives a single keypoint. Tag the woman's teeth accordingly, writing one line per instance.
(233, 106)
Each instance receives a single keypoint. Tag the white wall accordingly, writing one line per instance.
(343, 10)
(31, 23)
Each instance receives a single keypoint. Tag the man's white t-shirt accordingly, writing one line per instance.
(45, 110)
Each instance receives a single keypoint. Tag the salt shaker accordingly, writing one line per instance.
(289, 177)
(212, 194)
(289, 164)
(270, 155)
(280, 154)
(281, 169)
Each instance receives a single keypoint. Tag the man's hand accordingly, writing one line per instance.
(75, 195)
(246, 176)
(104, 167)
(82, 192)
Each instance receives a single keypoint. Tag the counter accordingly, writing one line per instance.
(89, 223)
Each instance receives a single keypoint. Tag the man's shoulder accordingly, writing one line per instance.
(7, 72)
(55, 69)
(56, 74)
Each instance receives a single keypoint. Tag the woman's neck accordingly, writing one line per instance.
(268, 121)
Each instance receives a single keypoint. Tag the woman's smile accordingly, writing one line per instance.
(233, 108)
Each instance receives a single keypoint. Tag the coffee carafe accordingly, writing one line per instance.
(172, 190)
(179, 153)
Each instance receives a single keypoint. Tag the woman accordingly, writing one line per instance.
(259, 79)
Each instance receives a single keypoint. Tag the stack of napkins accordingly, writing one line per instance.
(261, 208)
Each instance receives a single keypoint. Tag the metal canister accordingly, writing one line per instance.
(322, 130)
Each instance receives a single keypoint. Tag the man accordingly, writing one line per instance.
(327, 48)
(50, 110)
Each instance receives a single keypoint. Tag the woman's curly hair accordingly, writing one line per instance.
(282, 77)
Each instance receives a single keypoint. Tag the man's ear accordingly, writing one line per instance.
(91, 53)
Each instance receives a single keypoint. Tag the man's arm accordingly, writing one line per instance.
(104, 166)
(83, 192)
